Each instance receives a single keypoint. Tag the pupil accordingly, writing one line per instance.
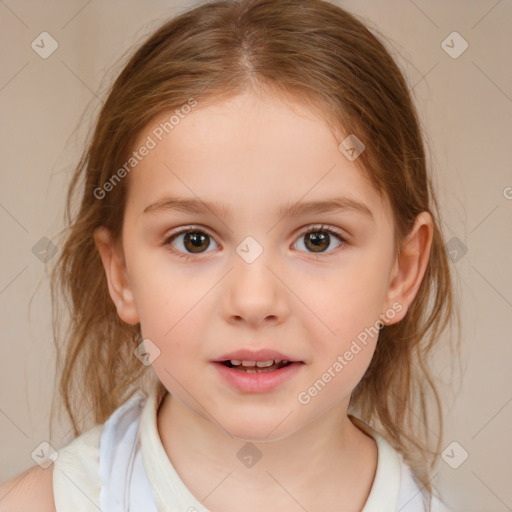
(197, 239)
(319, 240)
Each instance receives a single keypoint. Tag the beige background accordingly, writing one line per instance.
(46, 108)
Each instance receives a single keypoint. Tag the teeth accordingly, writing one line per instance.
(259, 364)
(265, 364)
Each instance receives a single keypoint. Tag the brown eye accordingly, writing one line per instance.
(318, 240)
(189, 242)
(196, 242)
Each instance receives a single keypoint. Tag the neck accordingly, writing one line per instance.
(330, 450)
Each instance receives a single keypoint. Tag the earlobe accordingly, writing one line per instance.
(410, 266)
(117, 278)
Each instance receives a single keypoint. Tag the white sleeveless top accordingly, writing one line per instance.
(122, 466)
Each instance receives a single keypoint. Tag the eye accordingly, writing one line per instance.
(319, 238)
(189, 241)
(192, 240)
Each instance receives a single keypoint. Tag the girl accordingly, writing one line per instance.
(256, 276)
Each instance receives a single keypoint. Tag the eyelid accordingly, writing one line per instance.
(185, 229)
(324, 227)
(302, 230)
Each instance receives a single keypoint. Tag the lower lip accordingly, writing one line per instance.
(257, 382)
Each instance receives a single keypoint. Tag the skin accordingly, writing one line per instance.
(257, 153)
(30, 490)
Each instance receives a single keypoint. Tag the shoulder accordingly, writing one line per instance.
(76, 478)
(31, 490)
(72, 479)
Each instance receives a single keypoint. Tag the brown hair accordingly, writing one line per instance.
(317, 53)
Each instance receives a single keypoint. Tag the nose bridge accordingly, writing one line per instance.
(253, 290)
(251, 261)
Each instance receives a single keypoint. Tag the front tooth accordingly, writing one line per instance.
(248, 363)
(265, 364)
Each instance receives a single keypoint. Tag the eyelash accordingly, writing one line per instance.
(196, 229)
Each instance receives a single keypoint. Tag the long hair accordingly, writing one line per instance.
(318, 53)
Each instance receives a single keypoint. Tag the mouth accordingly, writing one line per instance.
(257, 366)
(257, 376)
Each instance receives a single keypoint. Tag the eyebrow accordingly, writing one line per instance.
(288, 210)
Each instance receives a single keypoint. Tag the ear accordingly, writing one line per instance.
(119, 285)
(410, 267)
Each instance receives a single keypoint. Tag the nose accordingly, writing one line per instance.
(254, 293)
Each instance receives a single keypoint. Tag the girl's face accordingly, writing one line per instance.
(249, 178)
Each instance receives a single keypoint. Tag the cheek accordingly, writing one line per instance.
(337, 376)
(349, 302)
(347, 354)
(173, 311)
(183, 343)
(346, 311)
(360, 289)
(161, 293)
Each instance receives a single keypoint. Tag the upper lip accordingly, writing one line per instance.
(256, 355)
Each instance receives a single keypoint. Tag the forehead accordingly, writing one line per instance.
(244, 150)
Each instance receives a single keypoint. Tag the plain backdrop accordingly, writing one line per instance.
(48, 104)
